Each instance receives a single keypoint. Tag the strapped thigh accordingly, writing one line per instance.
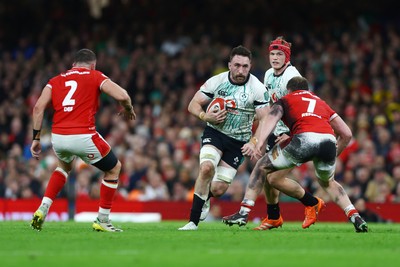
(225, 174)
(210, 153)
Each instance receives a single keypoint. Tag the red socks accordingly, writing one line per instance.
(351, 212)
(56, 183)
(107, 192)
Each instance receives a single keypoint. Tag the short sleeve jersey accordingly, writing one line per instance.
(75, 98)
(276, 86)
(306, 112)
(242, 101)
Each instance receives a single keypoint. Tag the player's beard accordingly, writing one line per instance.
(239, 78)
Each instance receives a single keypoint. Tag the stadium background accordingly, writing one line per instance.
(161, 52)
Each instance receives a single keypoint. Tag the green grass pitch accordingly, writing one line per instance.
(213, 244)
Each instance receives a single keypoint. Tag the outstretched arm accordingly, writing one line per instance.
(121, 95)
(267, 125)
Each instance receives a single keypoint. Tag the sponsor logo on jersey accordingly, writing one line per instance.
(75, 72)
(206, 140)
(308, 114)
(222, 92)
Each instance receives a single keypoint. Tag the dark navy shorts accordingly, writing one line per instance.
(230, 147)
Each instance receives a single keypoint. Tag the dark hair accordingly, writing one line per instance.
(85, 56)
(241, 51)
(297, 83)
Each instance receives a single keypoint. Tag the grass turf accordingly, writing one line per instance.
(213, 244)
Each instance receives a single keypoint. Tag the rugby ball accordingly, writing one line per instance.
(216, 105)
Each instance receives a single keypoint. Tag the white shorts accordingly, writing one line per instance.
(89, 147)
(320, 148)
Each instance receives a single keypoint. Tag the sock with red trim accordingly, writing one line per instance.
(246, 206)
(107, 192)
(56, 183)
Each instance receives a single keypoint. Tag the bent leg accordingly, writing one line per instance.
(272, 200)
(271, 193)
(336, 192)
(286, 185)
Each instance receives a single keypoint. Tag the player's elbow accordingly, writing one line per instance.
(346, 135)
(38, 109)
(191, 108)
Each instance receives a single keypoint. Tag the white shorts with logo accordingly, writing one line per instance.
(89, 147)
(304, 147)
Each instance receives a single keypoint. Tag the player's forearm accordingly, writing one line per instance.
(264, 129)
(37, 118)
(123, 98)
(268, 122)
(342, 132)
(118, 93)
(196, 110)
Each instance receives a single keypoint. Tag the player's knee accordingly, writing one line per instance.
(274, 180)
(116, 170)
(324, 183)
(325, 176)
(109, 164)
(264, 165)
(218, 188)
(207, 169)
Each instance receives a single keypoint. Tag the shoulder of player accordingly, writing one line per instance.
(219, 78)
(214, 81)
(291, 71)
(269, 72)
(98, 72)
(254, 81)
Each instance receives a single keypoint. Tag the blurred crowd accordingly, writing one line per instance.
(162, 55)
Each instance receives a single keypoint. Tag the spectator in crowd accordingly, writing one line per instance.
(379, 189)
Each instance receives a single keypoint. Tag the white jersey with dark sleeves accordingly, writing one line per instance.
(276, 86)
(242, 101)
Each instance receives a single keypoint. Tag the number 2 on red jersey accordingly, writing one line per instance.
(68, 101)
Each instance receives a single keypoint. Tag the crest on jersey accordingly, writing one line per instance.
(243, 97)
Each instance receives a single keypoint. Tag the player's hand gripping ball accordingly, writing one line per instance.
(216, 105)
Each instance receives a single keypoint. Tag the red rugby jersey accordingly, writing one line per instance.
(75, 99)
(306, 112)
